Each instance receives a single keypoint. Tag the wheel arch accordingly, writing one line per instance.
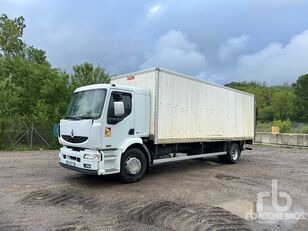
(144, 149)
(137, 143)
(240, 143)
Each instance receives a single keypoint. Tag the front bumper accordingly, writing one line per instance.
(75, 160)
(107, 162)
(81, 170)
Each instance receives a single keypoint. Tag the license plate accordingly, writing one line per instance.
(71, 163)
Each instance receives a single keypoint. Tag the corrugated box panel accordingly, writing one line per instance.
(195, 111)
(184, 109)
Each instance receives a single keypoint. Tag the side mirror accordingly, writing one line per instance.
(118, 108)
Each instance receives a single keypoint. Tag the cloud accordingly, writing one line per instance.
(276, 63)
(130, 40)
(20, 2)
(233, 46)
(155, 10)
(175, 52)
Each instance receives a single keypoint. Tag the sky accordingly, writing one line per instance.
(215, 40)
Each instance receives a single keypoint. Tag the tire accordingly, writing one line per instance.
(233, 154)
(133, 165)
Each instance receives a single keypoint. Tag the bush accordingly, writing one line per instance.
(304, 129)
(284, 126)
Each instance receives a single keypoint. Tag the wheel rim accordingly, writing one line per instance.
(133, 165)
(234, 153)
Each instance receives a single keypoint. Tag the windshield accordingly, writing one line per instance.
(86, 104)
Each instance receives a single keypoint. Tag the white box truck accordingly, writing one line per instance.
(150, 117)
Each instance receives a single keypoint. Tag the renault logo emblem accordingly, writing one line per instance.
(72, 133)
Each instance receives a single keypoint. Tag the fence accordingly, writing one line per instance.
(41, 135)
(27, 135)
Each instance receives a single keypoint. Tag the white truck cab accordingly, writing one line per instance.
(150, 117)
(101, 122)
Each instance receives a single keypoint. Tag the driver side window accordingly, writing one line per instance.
(116, 96)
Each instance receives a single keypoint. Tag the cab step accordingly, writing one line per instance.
(111, 170)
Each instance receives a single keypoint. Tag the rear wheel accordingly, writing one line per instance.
(133, 165)
(233, 154)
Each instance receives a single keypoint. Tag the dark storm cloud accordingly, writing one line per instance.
(218, 40)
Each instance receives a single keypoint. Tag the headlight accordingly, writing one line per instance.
(92, 156)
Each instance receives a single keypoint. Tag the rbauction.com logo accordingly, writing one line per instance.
(279, 207)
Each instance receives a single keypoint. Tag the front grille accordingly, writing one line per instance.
(74, 158)
(77, 149)
(75, 139)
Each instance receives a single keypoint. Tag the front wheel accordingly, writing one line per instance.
(133, 165)
(233, 154)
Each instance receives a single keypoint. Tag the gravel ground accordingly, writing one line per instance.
(37, 194)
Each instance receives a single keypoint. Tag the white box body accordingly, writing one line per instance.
(186, 109)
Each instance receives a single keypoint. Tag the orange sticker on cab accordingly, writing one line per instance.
(107, 131)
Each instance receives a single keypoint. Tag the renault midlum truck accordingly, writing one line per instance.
(150, 117)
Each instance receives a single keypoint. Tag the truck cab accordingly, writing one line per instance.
(102, 121)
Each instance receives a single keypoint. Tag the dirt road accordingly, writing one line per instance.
(37, 194)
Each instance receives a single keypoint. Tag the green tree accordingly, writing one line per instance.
(31, 90)
(36, 55)
(11, 31)
(85, 74)
(301, 101)
(55, 93)
(9, 105)
(10, 98)
(282, 102)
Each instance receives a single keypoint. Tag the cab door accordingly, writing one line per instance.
(119, 128)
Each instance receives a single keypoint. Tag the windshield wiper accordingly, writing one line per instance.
(86, 117)
(73, 117)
